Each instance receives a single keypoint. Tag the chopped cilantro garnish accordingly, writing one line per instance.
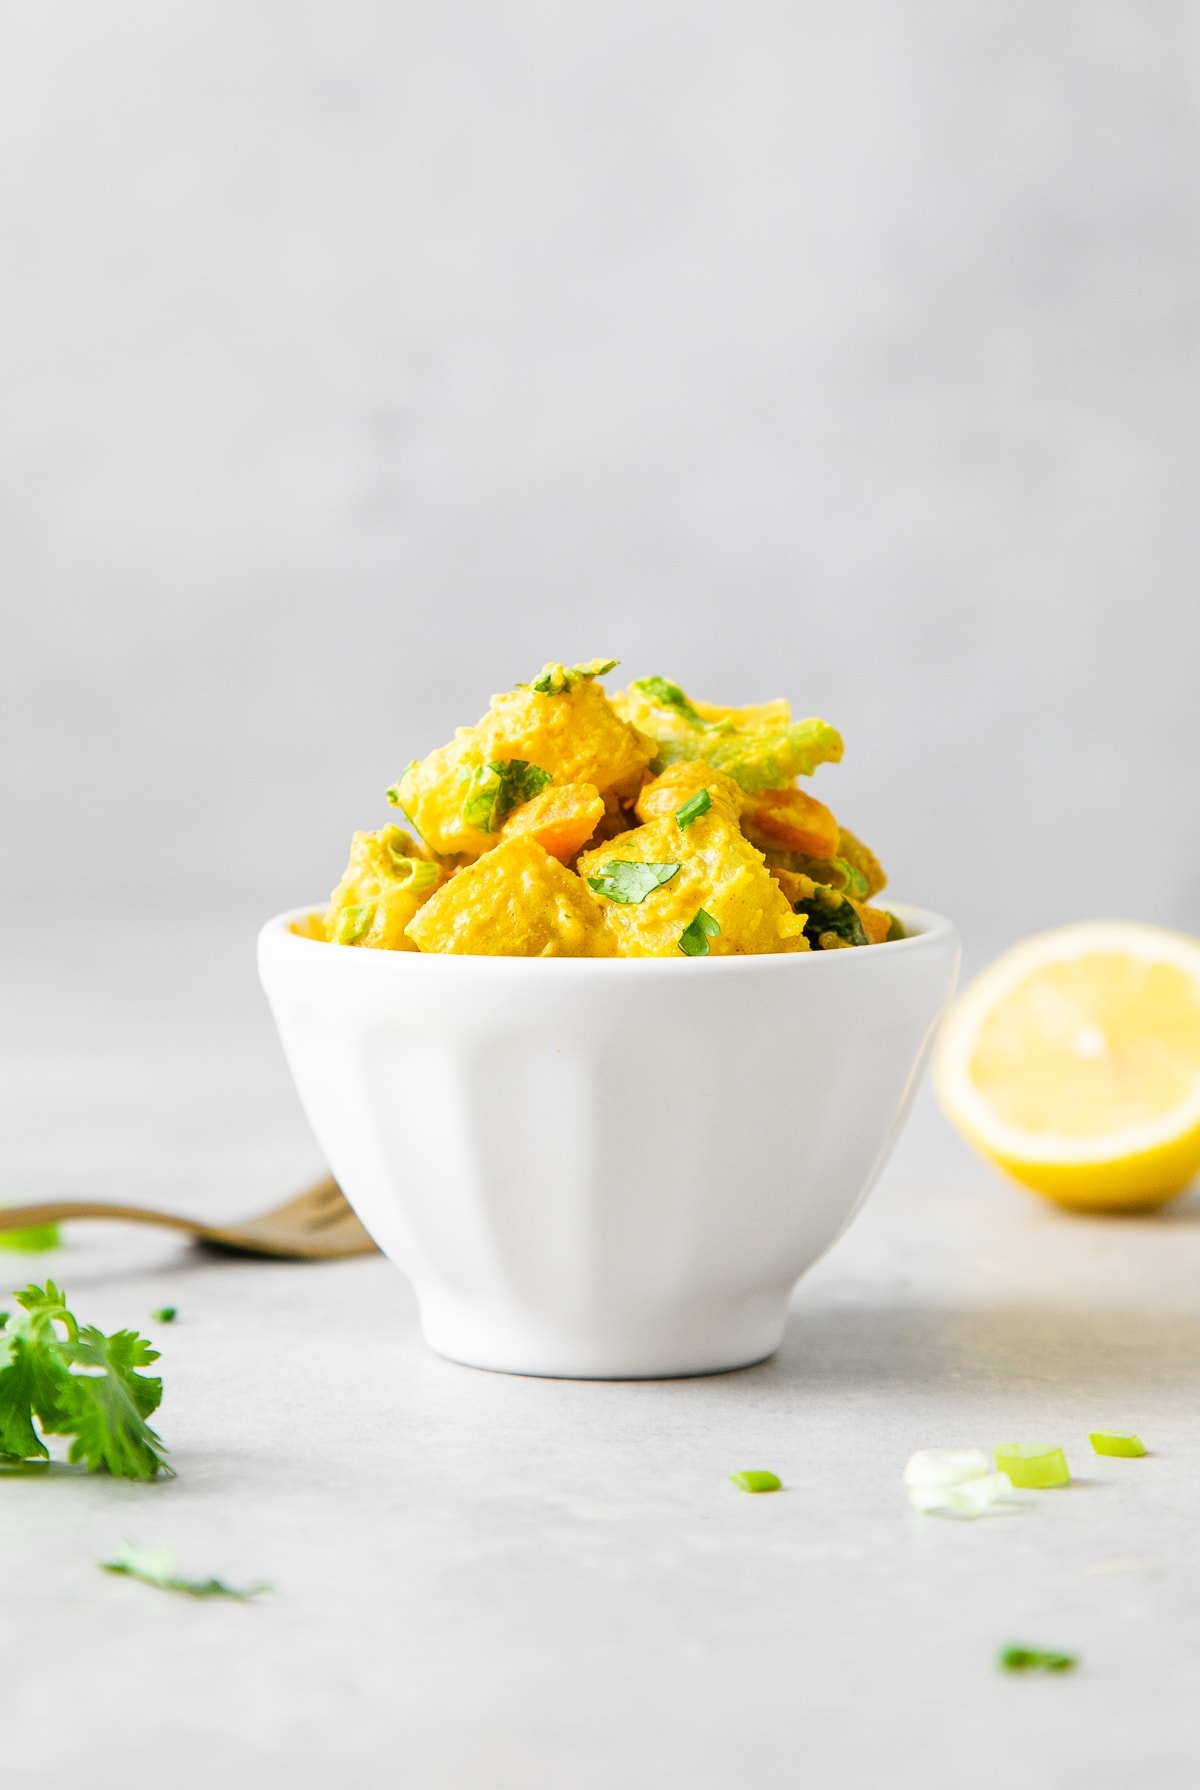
(501, 786)
(166, 1314)
(1034, 1659)
(156, 1566)
(692, 809)
(83, 1385)
(693, 940)
(756, 1481)
(625, 880)
(666, 695)
(353, 922)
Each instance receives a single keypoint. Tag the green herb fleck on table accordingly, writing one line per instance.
(693, 940)
(156, 1566)
(626, 881)
(37, 1239)
(692, 809)
(82, 1384)
(1035, 1659)
(757, 1481)
(166, 1314)
(1114, 1443)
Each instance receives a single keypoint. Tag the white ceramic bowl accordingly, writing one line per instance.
(607, 1168)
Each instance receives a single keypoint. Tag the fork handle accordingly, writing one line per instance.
(26, 1218)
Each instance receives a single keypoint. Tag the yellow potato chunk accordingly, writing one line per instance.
(576, 735)
(662, 799)
(384, 885)
(562, 819)
(515, 901)
(566, 732)
(719, 871)
(436, 794)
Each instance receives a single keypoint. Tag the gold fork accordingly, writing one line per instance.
(315, 1226)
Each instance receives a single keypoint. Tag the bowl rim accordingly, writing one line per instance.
(930, 931)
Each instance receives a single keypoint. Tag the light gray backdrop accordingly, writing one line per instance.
(357, 357)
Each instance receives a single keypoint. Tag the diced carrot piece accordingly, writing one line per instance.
(562, 818)
(876, 924)
(793, 819)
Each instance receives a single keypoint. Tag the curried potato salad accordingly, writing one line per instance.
(571, 823)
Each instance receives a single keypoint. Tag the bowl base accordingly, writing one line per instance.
(711, 1341)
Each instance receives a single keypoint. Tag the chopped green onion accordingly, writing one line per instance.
(626, 880)
(1034, 1659)
(555, 681)
(895, 929)
(693, 940)
(667, 695)
(353, 922)
(969, 1498)
(1113, 1442)
(946, 1466)
(33, 1241)
(1031, 1467)
(166, 1314)
(692, 809)
(756, 1481)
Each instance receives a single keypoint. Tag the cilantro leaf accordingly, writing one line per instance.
(20, 1393)
(692, 809)
(501, 786)
(693, 940)
(626, 881)
(156, 1566)
(105, 1411)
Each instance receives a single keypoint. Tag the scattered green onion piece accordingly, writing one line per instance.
(693, 940)
(166, 1314)
(970, 1498)
(692, 809)
(1034, 1659)
(946, 1466)
(1031, 1467)
(1112, 1442)
(353, 922)
(34, 1241)
(756, 1481)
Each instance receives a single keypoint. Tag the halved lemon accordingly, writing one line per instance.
(1073, 1062)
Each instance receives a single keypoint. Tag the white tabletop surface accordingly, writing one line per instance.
(484, 1581)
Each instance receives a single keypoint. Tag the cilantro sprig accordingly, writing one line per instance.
(626, 880)
(80, 1383)
(502, 785)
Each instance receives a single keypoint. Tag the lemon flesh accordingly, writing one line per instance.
(1073, 1063)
